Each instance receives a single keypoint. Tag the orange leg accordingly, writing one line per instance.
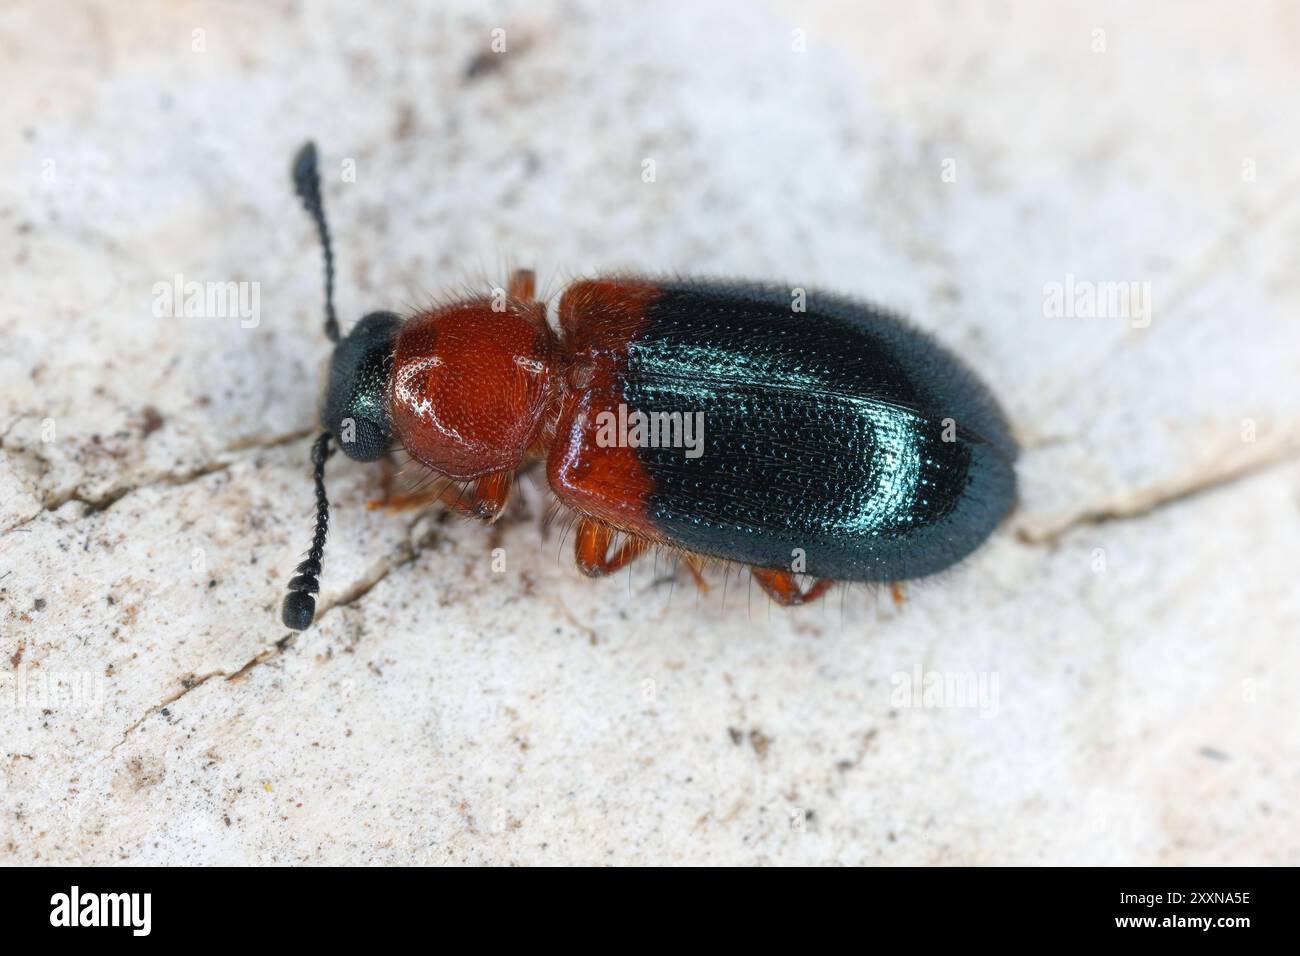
(783, 587)
(387, 472)
(491, 494)
(896, 592)
(523, 283)
(488, 500)
(449, 495)
(388, 500)
(694, 564)
(592, 549)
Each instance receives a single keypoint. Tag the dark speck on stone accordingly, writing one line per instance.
(151, 421)
(483, 64)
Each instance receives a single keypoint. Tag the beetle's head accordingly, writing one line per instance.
(355, 410)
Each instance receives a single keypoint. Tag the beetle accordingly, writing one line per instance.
(783, 430)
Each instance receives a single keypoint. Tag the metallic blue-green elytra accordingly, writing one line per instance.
(838, 435)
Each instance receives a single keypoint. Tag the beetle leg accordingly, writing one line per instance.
(592, 549)
(491, 492)
(452, 495)
(387, 472)
(693, 564)
(783, 587)
(522, 284)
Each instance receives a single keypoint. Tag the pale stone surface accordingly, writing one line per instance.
(1132, 628)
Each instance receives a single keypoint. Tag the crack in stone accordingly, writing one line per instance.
(1141, 506)
(110, 498)
(407, 554)
(187, 685)
(95, 505)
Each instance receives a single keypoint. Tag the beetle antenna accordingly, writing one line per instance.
(299, 605)
(306, 180)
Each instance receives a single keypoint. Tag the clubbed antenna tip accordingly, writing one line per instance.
(299, 604)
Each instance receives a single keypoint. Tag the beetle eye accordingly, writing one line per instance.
(361, 439)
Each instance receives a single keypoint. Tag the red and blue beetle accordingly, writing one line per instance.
(791, 432)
